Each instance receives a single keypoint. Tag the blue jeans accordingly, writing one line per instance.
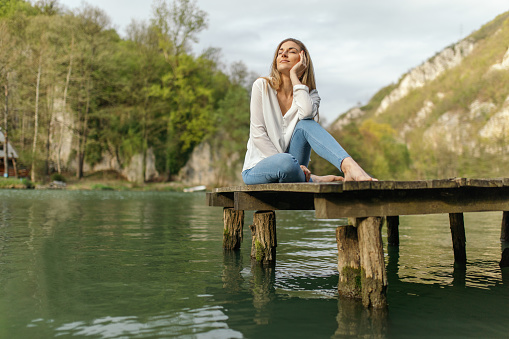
(285, 167)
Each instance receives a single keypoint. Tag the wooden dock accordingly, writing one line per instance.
(361, 264)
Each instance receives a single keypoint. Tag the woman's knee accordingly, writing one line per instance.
(289, 168)
(286, 162)
(306, 123)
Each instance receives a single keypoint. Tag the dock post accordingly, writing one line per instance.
(504, 234)
(373, 273)
(233, 227)
(263, 248)
(458, 237)
(393, 230)
(349, 264)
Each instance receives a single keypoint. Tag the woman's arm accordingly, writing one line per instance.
(307, 103)
(258, 128)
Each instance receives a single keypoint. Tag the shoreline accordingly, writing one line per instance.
(93, 183)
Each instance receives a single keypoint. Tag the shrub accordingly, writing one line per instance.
(101, 187)
(58, 177)
(27, 183)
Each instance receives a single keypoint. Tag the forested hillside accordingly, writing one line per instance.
(448, 117)
(78, 97)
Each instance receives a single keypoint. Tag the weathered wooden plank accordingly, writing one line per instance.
(220, 199)
(256, 201)
(460, 181)
(408, 202)
(410, 185)
(444, 183)
(358, 185)
(485, 182)
(383, 185)
(338, 187)
(332, 187)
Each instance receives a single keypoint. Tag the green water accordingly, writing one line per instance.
(151, 265)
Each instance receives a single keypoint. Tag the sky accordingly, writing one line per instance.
(357, 47)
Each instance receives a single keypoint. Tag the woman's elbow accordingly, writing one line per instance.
(306, 114)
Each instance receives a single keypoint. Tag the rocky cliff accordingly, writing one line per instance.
(453, 110)
(62, 144)
(208, 167)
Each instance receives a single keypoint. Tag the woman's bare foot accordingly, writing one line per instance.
(326, 178)
(353, 172)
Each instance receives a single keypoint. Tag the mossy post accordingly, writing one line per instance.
(458, 238)
(349, 265)
(233, 227)
(263, 248)
(371, 253)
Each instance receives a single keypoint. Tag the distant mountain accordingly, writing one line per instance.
(451, 113)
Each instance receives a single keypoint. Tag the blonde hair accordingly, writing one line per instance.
(307, 78)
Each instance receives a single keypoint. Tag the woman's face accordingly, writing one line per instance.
(287, 56)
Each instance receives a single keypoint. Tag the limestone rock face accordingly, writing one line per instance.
(418, 119)
(134, 171)
(428, 71)
(207, 167)
(504, 65)
(61, 136)
(198, 169)
(446, 132)
(496, 130)
(350, 116)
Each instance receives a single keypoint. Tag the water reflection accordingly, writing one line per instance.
(262, 288)
(209, 322)
(355, 321)
(141, 264)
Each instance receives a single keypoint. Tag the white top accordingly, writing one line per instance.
(270, 132)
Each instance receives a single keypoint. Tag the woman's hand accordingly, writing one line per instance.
(300, 67)
(306, 171)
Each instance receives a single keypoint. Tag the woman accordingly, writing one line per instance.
(283, 132)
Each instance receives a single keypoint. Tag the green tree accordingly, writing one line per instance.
(186, 85)
(93, 38)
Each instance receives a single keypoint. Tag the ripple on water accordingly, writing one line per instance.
(206, 322)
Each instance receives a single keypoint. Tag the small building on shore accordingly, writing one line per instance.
(12, 157)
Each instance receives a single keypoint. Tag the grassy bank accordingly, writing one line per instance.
(112, 181)
(101, 181)
(15, 183)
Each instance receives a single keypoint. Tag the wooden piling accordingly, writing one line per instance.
(263, 248)
(393, 230)
(458, 237)
(504, 234)
(373, 273)
(349, 265)
(233, 228)
(504, 262)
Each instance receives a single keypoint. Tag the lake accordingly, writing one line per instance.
(151, 265)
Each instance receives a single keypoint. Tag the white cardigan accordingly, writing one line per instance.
(270, 132)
